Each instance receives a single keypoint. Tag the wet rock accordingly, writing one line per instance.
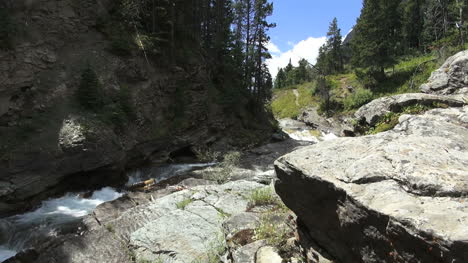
(395, 196)
(184, 226)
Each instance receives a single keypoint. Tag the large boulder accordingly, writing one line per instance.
(451, 78)
(398, 196)
(373, 111)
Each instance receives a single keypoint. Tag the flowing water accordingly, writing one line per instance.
(163, 172)
(299, 131)
(23, 231)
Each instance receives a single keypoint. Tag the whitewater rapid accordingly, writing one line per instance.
(23, 230)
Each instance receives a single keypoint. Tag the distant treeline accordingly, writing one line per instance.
(385, 31)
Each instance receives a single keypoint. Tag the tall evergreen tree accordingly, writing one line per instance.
(330, 58)
(377, 38)
(334, 46)
(280, 80)
(302, 74)
(412, 23)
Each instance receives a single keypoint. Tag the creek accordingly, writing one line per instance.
(62, 215)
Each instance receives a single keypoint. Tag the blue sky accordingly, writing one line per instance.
(302, 26)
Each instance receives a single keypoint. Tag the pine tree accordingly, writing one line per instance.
(376, 41)
(89, 95)
(302, 74)
(334, 46)
(280, 80)
(412, 23)
(323, 63)
(330, 58)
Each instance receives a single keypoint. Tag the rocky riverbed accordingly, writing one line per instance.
(396, 196)
(185, 218)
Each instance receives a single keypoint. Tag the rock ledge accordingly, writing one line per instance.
(396, 196)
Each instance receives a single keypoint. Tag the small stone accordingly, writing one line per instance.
(268, 255)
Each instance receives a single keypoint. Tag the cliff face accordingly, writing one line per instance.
(47, 137)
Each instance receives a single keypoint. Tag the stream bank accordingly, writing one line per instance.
(228, 208)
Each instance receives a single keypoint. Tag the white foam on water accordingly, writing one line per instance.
(328, 136)
(6, 253)
(302, 135)
(49, 216)
(68, 207)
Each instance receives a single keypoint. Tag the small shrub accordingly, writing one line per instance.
(89, 93)
(113, 114)
(110, 228)
(358, 98)
(215, 251)
(206, 154)
(366, 77)
(273, 232)
(388, 122)
(263, 196)
(184, 203)
(332, 105)
(230, 161)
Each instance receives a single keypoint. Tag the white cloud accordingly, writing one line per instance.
(273, 48)
(307, 49)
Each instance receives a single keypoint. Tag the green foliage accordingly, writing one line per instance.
(387, 122)
(119, 110)
(326, 107)
(306, 95)
(330, 59)
(408, 75)
(231, 159)
(358, 98)
(274, 232)
(222, 173)
(110, 228)
(390, 120)
(184, 203)
(215, 251)
(290, 75)
(89, 91)
(374, 45)
(263, 196)
(7, 29)
(206, 154)
(284, 106)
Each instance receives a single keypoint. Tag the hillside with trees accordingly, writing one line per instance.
(393, 48)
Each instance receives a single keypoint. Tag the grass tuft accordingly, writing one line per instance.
(184, 203)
